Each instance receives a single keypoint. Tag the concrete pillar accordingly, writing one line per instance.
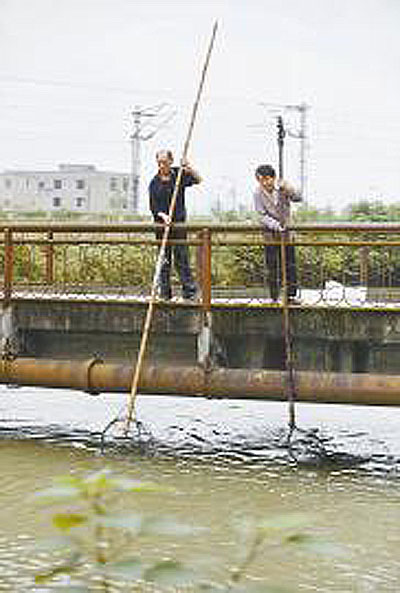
(8, 341)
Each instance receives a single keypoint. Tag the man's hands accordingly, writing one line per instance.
(164, 217)
(285, 187)
(189, 169)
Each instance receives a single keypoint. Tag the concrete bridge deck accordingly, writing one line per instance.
(53, 305)
(344, 336)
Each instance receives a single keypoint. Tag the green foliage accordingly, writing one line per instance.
(92, 266)
(97, 547)
(365, 211)
(95, 539)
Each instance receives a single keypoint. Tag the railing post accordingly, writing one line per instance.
(8, 265)
(204, 338)
(49, 258)
(364, 265)
(205, 267)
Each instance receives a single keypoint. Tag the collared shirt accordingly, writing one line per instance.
(161, 192)
(274, 206)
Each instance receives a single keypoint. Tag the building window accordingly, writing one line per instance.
(57, 183)
(125, 184)
(80, 184)
(79, 202)
(56, 202)
(7, 183)
(113, 183)
(124, 205)
(41, 185)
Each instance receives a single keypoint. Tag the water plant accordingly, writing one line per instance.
(95, 544)
(99, 547)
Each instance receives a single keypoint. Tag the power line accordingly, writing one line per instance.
(144, 129)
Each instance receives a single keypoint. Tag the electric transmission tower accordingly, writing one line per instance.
(300, 133)
(147, 121)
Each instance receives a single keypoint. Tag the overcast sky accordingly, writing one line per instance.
(71, 71)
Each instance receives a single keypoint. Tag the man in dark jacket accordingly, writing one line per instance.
(161, 190)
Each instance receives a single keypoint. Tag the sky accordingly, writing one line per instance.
(72, 72)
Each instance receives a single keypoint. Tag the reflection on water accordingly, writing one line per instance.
(225, 460)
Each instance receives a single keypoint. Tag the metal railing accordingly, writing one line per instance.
(347, 264)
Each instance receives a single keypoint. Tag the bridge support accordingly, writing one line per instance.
(94, 376)
(8, 341)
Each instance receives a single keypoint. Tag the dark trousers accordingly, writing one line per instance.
(181, 262)
(272, 256)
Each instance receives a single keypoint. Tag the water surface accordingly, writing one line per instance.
(224, 461)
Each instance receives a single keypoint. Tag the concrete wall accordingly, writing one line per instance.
(339, 340)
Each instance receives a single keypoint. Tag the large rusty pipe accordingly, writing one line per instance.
(94, 376)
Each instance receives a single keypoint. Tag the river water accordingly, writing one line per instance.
(222, 461)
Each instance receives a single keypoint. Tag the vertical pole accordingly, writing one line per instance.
(161, 253)
(8, 266)
(281, 138)
(205, 335)
(290, 387)
(206, 270)
(303, 137)
(49, 258)
(135, 147)
(364, 265)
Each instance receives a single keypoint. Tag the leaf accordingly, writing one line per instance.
(72, 481)
(97, 482)
(127, 485)
(323, 548)
(211, 588)
(66, 521)
(165, 526)
(54, 544)
(98, 476)
(57, 494)
(68, 567)
(284, 522)
(169, 573)
(71, 589)
(258, 588)
(129, 522)
(299, 538)
(130, 569)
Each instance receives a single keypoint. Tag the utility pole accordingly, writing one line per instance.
(143, 131)
(300, 134)
(281, 138)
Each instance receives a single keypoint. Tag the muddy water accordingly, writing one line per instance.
(224, 461)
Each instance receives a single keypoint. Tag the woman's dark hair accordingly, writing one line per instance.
(265, 171)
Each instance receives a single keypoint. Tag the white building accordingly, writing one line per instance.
(79, 188)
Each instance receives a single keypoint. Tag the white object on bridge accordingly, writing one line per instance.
(334, 293)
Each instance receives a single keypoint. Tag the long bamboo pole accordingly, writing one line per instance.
(130, 414)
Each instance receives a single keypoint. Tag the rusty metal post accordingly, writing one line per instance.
(364, 255)
(199, 259)
(49, 258)
(204, 337)
(8, 265)
(205, 275)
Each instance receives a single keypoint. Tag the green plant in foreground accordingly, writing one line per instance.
(98, 547)
(96, 544)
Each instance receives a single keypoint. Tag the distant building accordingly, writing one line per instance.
(77, 188)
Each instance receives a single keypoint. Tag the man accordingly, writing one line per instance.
(161, 190)
(272, 200)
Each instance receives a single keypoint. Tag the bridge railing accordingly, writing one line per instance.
(347, 264)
